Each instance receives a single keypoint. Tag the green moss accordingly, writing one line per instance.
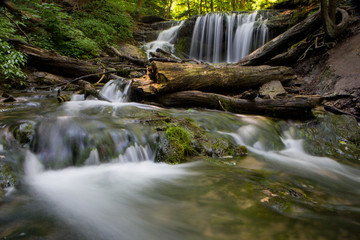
(182, 47)
(23, 132)
(181, 141)
(181, 138)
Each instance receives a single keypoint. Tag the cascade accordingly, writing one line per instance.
(219, 37)
(164, 41)
(89, 172)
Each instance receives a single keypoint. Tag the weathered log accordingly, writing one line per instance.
(282, 42)
(174, 77)
(90, 91)
(50, 61)
(294, 107)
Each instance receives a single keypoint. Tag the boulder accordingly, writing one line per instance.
(272, 90)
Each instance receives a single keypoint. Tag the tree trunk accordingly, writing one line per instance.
(173, 77)
(295, 107)
(140, 3)
(328, 15)
(282, 42)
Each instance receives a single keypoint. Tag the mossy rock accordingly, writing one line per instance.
(7, 178)
(332, 135)
(180, 139)
(23, 132)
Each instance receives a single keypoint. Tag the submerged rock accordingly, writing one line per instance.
(23, 132)
(183, 138)
(332, 136)
(7, 178)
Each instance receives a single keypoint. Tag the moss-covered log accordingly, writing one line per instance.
(50, 61)
(288, 107)
(173, 77)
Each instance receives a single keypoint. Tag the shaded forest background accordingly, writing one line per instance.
(84, 29)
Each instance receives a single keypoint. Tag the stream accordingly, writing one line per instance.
(89, 171)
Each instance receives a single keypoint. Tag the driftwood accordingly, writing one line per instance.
(282, 42)
(90, 91)
(294, 107)
(173, 77)
(50, 61)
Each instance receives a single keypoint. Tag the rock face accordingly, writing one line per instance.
(272, 90)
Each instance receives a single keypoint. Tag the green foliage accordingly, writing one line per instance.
(11, 62)
(6, 27)
(104, 22)
(65, 39)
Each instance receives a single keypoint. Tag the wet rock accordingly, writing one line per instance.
(336, 136)
(182, 138)
(5, 95)
(10, 99)
(7, 178)
(163, 25)
(272, 90)
(23, 132)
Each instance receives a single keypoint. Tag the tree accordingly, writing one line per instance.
(328, 15)
(140, 3)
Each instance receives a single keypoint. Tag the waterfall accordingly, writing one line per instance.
(219, 37)
(116, 90)
(165, 41)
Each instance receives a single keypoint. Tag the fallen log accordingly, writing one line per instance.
(90, 91)
(174, 77)
(298, 106)
(282, 42)
(50, 61)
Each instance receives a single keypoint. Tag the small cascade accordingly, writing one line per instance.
(165, 41)
(116, 90)
(219, 37)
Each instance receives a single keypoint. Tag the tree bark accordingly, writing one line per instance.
(174, 77)
(282, 42)
(328, 18)
(295, 107)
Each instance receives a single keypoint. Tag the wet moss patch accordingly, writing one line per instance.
(180, 139)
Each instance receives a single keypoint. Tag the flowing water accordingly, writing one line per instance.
(88, 171)
(164, 41)
(220, 37)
